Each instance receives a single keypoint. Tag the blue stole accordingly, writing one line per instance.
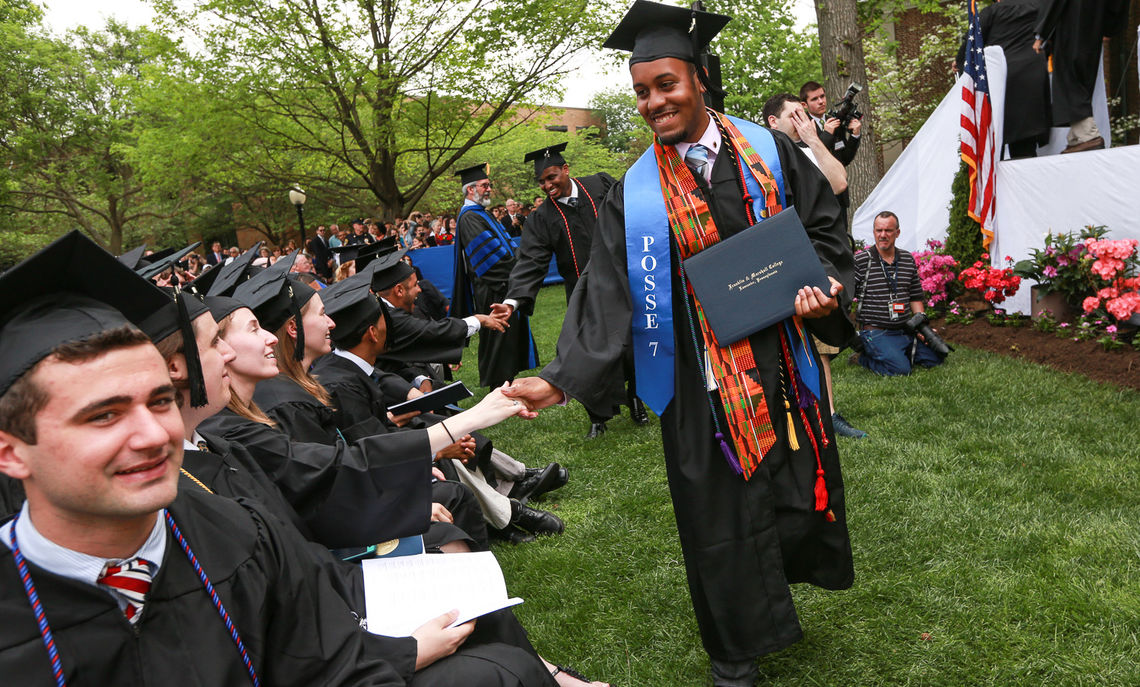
(490, 246)
(647, 241)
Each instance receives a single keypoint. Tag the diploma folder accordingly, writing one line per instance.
(448, 395)
(749, 281)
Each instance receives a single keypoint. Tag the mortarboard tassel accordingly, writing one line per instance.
(793, 440)
(728, 454)
(190, 352)
(299, 348)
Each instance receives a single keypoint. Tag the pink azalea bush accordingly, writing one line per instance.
(936, 271)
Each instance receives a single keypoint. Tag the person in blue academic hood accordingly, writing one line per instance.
(751, 461)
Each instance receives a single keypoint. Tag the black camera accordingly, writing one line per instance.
(919, 324)
(845, 109)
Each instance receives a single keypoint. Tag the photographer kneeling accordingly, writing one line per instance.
(893, 327)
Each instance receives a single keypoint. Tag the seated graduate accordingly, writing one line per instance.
(107, 570)
(356, 390)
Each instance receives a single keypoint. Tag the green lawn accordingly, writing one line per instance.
(994, 513)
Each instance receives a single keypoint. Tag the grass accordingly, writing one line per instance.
(994, 516)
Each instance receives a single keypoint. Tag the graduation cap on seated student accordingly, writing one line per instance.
(274, 297)
(132, 257)
(390, 270)
(652, 31)
(365, 253)
(82, 290)
(222, 280)
(354, 307)
(160, 263)
(551, 156)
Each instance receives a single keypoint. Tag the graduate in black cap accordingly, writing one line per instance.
(108, 573)
(757, 491)
(564, 228)
(484, 257)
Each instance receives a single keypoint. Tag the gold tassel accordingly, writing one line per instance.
(793, 442)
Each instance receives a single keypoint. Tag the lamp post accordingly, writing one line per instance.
(297, 198)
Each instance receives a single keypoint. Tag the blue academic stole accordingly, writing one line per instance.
(490, 246)
(647, 240)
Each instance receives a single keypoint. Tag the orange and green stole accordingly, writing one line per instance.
(733, 365)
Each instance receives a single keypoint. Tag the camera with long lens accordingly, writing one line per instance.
(919, 324)
(845, 110)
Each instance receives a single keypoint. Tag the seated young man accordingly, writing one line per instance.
(108, 573)
(889, 292)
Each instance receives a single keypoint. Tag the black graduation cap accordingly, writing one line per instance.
(222, 306)
(390, 270)
(160, 264)
(353, 306)
(274, 297)
(132, 257)
(365, 253)
(652, 31)
(80, 290)
(230, 276)
(472, 174)
(546, 157)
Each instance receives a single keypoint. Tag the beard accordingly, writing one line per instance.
(484, 200)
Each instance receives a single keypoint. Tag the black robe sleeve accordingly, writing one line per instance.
(419, 340)
(374, 490)
(539, 237)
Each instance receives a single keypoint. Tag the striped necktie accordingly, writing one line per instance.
(130, 581)
(697, 159)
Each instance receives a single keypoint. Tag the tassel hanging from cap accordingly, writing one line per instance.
(299, 347)
(190, 352)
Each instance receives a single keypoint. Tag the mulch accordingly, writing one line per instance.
(1120, 367)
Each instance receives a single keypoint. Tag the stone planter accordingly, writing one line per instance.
(1054, 303)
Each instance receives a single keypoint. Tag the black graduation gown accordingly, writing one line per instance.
(502, 355)
(545, 234)
(1075, 29)
(11, 495)
(296, 628)
(431, 300)
(1009, 24)
(358, 399)
(421, 340)
(350, 495)
(743, 541)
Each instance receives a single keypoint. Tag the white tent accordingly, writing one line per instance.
(1035, 196)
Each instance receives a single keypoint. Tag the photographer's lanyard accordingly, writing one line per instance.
(893, 280)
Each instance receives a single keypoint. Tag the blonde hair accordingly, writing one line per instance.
(248, 410)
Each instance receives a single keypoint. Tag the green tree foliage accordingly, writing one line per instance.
(762, 53)
(964, 235)
(366, 104)
(626, 133)
(64, 124)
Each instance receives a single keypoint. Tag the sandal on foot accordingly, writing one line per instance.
(572, 673)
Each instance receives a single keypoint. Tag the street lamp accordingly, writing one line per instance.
(297, 198)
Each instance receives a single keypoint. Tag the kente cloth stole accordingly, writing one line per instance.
(733, 364)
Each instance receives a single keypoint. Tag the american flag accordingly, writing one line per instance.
(978, 149)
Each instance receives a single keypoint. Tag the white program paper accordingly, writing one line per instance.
(403, 593)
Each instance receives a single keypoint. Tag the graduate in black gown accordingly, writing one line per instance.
(1074, 31)
(484, 257)
(744, 540)
(1010, 24)
(563, 227)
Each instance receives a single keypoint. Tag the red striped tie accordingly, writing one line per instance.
(129, 580)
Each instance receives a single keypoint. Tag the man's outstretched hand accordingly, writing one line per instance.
(811, 302)
(535, 392)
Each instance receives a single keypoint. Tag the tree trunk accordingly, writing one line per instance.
(841, 49)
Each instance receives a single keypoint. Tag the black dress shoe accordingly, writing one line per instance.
(511, 535)
(637, 412)
(534, 520)
(538, 481)
(597, 429)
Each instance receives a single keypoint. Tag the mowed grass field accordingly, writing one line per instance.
(994, 515)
